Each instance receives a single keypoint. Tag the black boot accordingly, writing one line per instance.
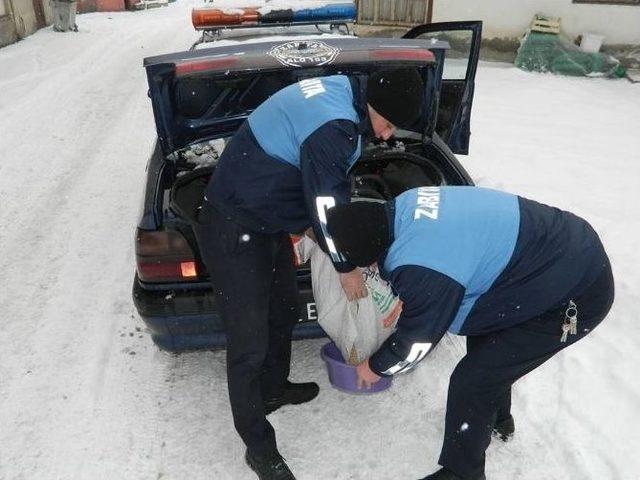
(272, 467)
(444, 474)
(504, 429)
(294, 394)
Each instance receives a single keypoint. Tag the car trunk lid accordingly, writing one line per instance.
(205, 94)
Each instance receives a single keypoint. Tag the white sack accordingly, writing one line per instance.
(359, 327)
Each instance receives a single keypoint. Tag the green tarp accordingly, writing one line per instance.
(549, 52)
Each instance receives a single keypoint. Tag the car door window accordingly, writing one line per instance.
(457, 60)
(459, 70)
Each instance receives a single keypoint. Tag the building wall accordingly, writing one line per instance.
(7, 31)
(87, 6)
(48, 11)
(393, 12)
(24, 17)
(7, 27)
(620, 24)
(20, 18)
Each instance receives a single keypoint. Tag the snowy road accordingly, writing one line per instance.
(85, 395)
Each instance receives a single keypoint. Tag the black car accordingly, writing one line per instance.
(201, 97)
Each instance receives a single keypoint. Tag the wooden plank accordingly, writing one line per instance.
(545, 29)
(545, 24)
(365, 11)
(398, 13)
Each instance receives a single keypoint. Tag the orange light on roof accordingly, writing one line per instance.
(403, 54)
(212, 17)
(188, 269)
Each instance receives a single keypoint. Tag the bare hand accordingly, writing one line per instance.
(309, 233)
(366, 377)
(353, 284)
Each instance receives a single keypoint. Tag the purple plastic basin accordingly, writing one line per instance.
(343, 376)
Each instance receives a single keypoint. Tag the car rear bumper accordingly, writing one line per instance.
(182, 319)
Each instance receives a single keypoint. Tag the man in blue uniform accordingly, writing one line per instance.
(274, 178)
(520, 279)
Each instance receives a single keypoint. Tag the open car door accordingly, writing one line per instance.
(458, 78)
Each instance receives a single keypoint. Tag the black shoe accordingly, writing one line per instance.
(272, 467)
(444, 474)
(504, 429)
(294, 394)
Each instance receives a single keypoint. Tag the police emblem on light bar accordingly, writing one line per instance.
(304, 53)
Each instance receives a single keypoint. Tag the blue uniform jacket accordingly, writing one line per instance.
(472, 261)
(289, 162)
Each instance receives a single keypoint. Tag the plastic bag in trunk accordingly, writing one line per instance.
(358, 327)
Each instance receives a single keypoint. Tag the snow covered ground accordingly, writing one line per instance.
(85, 395)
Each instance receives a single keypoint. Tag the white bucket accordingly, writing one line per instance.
(591, 42)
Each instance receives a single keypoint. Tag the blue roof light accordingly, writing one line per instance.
(338, 12)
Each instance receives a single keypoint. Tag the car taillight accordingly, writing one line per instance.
(164, 256)
(294, 239)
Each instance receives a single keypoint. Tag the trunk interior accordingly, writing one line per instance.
(381, 174)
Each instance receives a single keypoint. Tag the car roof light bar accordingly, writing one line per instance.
(213, 18)
(203, 18)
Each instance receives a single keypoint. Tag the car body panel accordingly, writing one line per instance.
(182, 319)
(454, 114)
(208, 93)
(184, 315)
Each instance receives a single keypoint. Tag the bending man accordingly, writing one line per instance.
(520, 279)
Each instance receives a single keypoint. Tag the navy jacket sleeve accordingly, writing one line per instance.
(430, 303)
(324, 163)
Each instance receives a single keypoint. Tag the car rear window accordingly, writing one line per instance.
(234, 95)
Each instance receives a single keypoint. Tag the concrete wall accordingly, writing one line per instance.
(21, 19)
(7, 27)
(7, 30)
(620, 24)
(24, 16)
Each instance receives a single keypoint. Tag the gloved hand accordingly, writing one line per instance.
(353, 284)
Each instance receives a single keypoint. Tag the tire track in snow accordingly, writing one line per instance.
(72, 226)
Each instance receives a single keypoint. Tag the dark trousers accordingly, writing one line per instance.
(480, 385)
(254, 279)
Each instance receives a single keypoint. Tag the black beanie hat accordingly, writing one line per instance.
(360, 231)
(397, 95)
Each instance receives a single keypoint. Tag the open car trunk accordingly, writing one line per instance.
(378, 175)
(207, 94)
